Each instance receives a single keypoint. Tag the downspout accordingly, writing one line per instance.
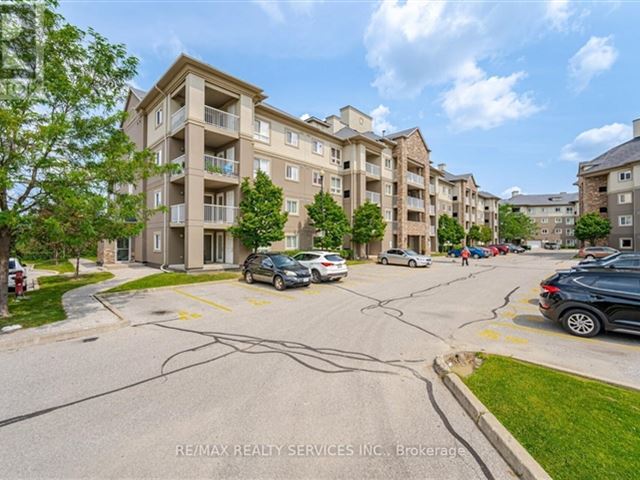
(165, 250)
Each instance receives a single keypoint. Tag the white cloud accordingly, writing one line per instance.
(510, 191)
(595, 57)
(169, 45)
(304, 116)
(272, 9)
(591, 143)
(487, 102)
(380, 121)
(558, 14)
(275, 12)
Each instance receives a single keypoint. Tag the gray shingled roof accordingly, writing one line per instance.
(487, 194)
(401, 133)
(348, 132)
(452, 178)
(628, 152)
(137, 92)
(543, 199)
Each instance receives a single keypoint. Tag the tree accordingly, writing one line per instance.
(261, 221)
(474, 234)
(592, 227)
(329, 218)
(486, 235)
(368, 224)
(515, 225)
(63, 121)
(450, 232)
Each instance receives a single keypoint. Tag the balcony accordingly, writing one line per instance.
(432, 230)
(220, 166)
(220, 119)
(415, 203)
(372, 169)
(178, 118)
(373, 197)
(432, 189)
(177, 213)
(180, 161)
(432, 209)
(415, 179)
(220, 214)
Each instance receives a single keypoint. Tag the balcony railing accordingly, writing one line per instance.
(372, 169)
(177, 213)
(432, 189)
(413, 202)
(432, 231)
(373, 197)
(394, 200)
(177, 118)
(432, 209)
(180, 162)
(220, 214)
(221, 119)
(415, 179)
(221, 166)
(394, 225)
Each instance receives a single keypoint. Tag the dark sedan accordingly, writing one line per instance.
(619, 261)
(587, 302)
(277, 269)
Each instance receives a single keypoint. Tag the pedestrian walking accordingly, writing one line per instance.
(465, 256)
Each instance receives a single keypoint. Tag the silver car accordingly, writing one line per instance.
(404, 256)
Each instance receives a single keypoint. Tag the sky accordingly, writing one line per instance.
(515, 93)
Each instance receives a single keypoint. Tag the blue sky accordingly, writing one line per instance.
(515, 93)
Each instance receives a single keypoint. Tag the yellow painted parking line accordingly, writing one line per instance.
(256, 302)
(266, 291)
(489, 334)
(182, 315)
(311, 292)
(203, 300)
(519, 340)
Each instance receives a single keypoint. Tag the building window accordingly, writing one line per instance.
(625, 220)
(602, 189)
(336, 155)
(347, 194)
(571, 242)
(626, 243)
(157, 199)
(157, 242)
(624, 198)
(291, 138)
(558, 209)
(388, 163)
(558, 219)
(570, 232)
(292, 172)
(159, 117)
(316, 178)
(624, 176)
(291, 207)
(570, 221)
(159, 157)
(388, 215)
(261, 164)
(261, 130)
(603, 209)
(544, 220)
(317, 147)
(291, 242)
(570, 210)
(336, 185)
(558, 231)
(388, 189)
(544, 231)
(346, 165)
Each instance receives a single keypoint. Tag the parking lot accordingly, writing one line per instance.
(345, 363)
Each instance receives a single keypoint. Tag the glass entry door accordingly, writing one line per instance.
(208, 248)
(220, 247)
(123, 250)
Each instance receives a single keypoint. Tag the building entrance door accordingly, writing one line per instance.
(208, 248)
(219, 247)
(123, 250)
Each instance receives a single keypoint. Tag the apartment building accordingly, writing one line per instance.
(610, 185)
(218, 130)
(554, 214)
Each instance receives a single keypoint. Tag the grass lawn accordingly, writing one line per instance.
(359, 262)
(575, 428)
(45, 305)
(169, 279)
(63, 266)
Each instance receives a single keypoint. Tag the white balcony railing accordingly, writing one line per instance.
(177, 213)
(413, 202)
(221, 166)
(180, 162)
(394, 200)
(373, 197)
(432, 209)
(432, 231)
(432, 189)
(372, 169)
(415, 179)
(177, 118)
(220, 214)
(394, 226)
(221, 119)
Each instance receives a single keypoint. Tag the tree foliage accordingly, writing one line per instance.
(592, 227)
(261, 221)
(328, 218)
(368, 224)
(474, 234)
(515, 225)
(486, 234)
(450, 232)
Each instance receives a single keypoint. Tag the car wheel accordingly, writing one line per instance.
(248, 277)
(476, 256)
(412, 263)
(315, 276)
(581, 323)
(384, 261)
(278, 282)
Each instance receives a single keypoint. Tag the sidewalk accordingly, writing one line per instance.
(86, 315)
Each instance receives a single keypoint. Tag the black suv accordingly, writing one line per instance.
(588, 301)
(619, 261)
(277, 269)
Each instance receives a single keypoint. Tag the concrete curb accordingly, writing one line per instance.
(168, 287)
(520, 461)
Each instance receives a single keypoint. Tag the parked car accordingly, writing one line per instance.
(552, 246)
(14, 267)
(620, 261)
(404, 256)
(475, 252)
(587, 302)
(596, 252)
(502, 248)
(494, 250)
(278, 269)
(515, 248)
(323, 265)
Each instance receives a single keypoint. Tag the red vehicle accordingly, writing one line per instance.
(494, 250)
(502, 248)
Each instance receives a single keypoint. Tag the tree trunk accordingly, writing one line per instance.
(5, 251)
(77, 266)
(55, 256)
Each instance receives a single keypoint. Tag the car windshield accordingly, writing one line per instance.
(334, 258)
(281, 261)
(411, 253)
(12, 264)
(608, 258)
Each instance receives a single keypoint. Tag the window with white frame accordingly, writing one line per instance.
(543, 210)
(336, 155)
(159, 157)
(558, 219)
(157, 198)
(570, 210)
(544, 231)
(291, 241)
(388, 163)
(624, 198)
(625, 220)
(544, 220)
(292, 206)
(261, 164)
(159, 117)
(336, 185)
(626, 243)
(292, 172)
(624, 176)
(261, 130)
(571, 242)
(316, 178)
(388, 215)
(291, 138)
(388, 189)
(570, 220)
(570, 232)
(558, 231)
(317, 147)
(558, 209)
(157, 241)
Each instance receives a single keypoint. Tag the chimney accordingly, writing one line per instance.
(442, 166)
(636, 128)
(515, 192)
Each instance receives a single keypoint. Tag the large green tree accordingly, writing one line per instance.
(261, 221)
(450, 232)
(515, 225)
(65, 120)
(486, 235)
(368, 224)
(474, 234)
(329, 219)
(592, 227)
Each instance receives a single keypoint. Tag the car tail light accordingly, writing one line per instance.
(326, 264)
(550, 288)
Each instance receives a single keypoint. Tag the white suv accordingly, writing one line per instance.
(14, 266)
(323, 265)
